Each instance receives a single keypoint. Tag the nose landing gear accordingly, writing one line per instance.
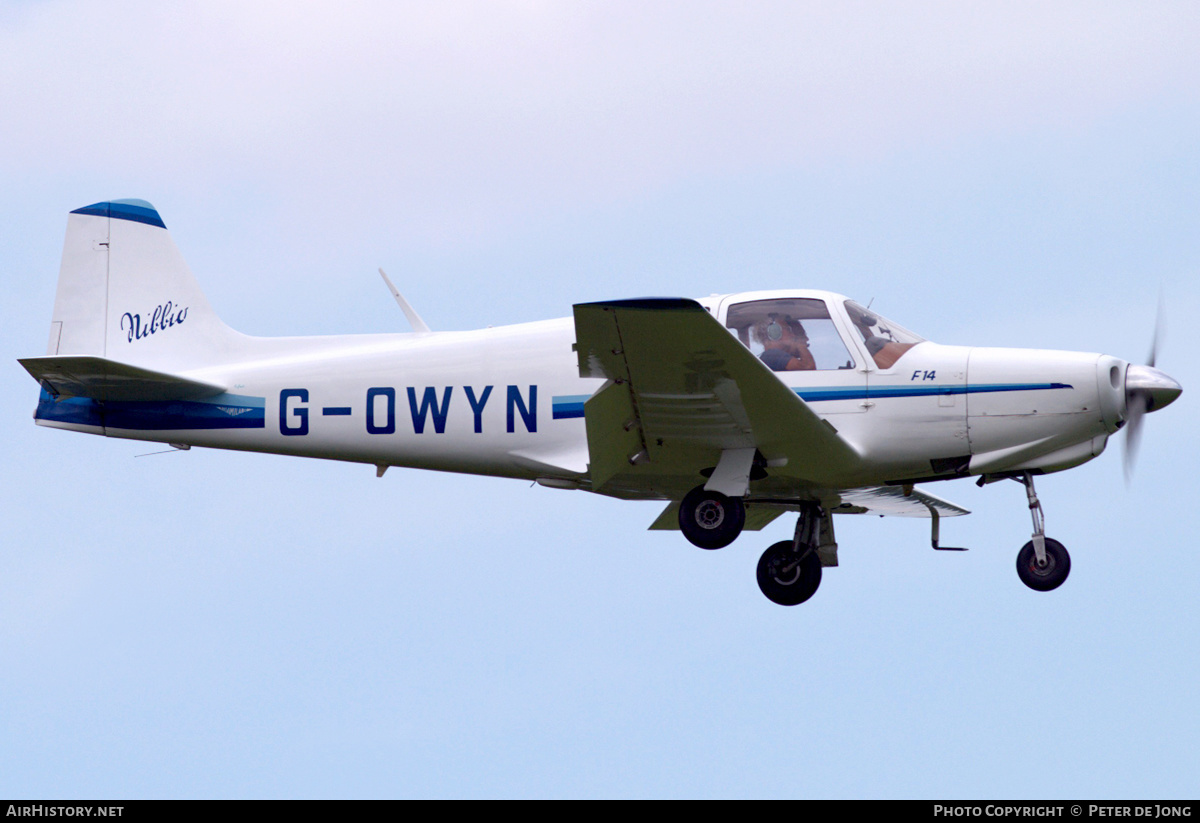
(1043, 563)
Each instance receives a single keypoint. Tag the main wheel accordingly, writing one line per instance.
(711, 520)
(785, 578)
(1047, 577)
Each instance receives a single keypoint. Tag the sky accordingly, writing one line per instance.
(215, 624)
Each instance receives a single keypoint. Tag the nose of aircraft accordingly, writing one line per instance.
(1154, 388)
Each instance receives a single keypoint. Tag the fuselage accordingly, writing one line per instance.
(509, 401)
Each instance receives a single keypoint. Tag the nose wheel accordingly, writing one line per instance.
(1045, 575)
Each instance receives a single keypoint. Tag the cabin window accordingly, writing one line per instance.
(790, 334)
(885, 341)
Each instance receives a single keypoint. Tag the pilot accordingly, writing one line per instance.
(785, 344)
(883, 351)
(886, 352)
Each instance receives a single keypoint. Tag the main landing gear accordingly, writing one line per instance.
(1043, 563)
(711, 520)
(789, 572)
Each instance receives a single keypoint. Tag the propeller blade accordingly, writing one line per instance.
(1158, 331)
(1135, 405)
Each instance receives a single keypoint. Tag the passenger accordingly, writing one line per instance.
(785, 344)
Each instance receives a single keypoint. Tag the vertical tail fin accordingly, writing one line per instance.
(125, 294)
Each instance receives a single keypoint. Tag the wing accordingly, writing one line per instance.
(684, 395)
(898, 501)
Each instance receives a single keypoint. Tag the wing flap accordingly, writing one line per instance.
(98, 378)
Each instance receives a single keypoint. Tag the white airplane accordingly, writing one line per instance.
(733, 408)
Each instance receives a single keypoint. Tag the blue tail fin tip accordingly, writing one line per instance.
(138, 211)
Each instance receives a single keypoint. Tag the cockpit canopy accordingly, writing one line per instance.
(790, 325)
(791, 333)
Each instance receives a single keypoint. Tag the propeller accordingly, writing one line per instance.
(1136, 408)
(1146, 389)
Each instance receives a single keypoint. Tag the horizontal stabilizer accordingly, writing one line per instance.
(98, 378)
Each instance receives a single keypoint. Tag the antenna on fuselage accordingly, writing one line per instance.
(175, 447)
(413, 318)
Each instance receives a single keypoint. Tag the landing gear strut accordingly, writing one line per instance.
(1043, 563)
(789, 572)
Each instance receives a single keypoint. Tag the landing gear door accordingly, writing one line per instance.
(803, 342)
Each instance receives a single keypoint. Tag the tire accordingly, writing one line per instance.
(1049, 577)
(711, 520)
(784, 582)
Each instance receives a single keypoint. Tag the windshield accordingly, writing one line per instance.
(886, 341)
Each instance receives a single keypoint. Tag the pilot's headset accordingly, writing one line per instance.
(774, 330)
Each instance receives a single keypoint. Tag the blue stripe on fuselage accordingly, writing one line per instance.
(230, 411)
(569, 406)
(862, 392)
(77, 410)
(225, 411)
(566, 406)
